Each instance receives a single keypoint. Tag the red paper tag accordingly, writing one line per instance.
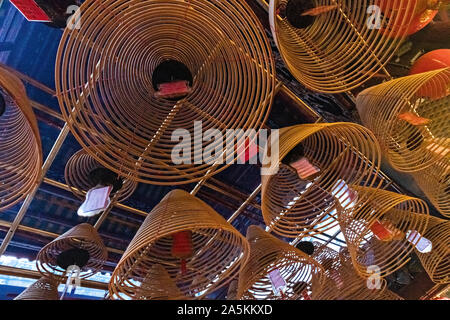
(251, 150)
(173, 89)
(31, 11)
(304, 168)
(413, 119)
(380, 231)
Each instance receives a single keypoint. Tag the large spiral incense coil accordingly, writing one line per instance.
(78, 175)
(345, 284)
(300, 273)
(409, 116)
(107, 74)
(342, 47)
(345, 153)
(215, 247)
(387, 294)
(377, 233)
(232, 290)
(81, 246)
(333, 266)
(42, 289)
(341, 282)
(158, 285)
(435, 183)
(328, 258)
(437, 262)
(20, 142)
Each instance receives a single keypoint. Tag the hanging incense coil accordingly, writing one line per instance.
(341, 282)
(409, 118)
(80, 176)
(328, 258)
(216, 248)
(330, 261)
(43, 289)
(437, 262)
(269, 254)
(20, 142)
(376, 233)
(157, 285)
(342, 47)
(106, 88)
(232, 290)
(387, 294)
(345, 154)
(435, 183)
(345, 284)
(81, 246)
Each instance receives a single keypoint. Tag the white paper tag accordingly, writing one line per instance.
(73, 280)
(423, 245)
(277, 281)
(97, 200)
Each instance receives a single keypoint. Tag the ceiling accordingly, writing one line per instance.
(30, 48)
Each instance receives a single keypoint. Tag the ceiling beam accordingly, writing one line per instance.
(31, 274)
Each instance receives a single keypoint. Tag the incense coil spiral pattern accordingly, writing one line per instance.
(20, 142)
(435, 183)
(419, 143)
(216, 246)
(157, 285)
(77, 171)
(437, 262)
(387, 294)
(345, 284)
(338, 51)
(82, 236)
(368, 246)
(42, 289)
(232, 290)
(341, 282)
(333, 263)
(105, 90)
(345, 153)
(301, 273)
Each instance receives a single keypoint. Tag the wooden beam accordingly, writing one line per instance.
(31, 274)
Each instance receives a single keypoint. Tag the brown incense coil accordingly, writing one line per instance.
(389, 252)
(106, 91)
(216, 246)
(157, 285)
(301, 273)
(409, 117)
(341, 281)
(232, 290)
(345, 153)
(20, 142)
(80, 245)
(437, 262)
(328, 258)
(344, 256)
(435, 183)
(336, 51)
(345, 284)
(387, 294)
(42, 289)
(77, 171)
